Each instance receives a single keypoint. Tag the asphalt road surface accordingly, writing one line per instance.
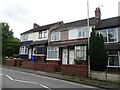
(18, 79)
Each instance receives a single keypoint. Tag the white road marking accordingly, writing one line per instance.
(9, 77)
(32, 83)
(28, 81)
(24, 81)
(45, 87)
(32, 74)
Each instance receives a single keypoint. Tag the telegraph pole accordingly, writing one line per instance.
(88, 26)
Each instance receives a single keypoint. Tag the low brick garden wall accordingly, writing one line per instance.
(13, 62)
(19, 62)
(47, 67)
(79, 70)
(113, 70)
(10, 62)
(28, 64)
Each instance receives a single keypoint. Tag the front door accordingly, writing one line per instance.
(71, 56)
(29, 53)
(64, 56)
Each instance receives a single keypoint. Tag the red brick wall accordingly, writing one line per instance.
(11, 62)
(48, 67)
(53, 62)
(19, 62)
(28, 64)
(81, 70)
(113, 69)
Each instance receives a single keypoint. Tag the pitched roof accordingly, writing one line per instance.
(77, 23)
(41, 28)
(108, 23)
(102, 24)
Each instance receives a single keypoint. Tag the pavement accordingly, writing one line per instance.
(76, 79)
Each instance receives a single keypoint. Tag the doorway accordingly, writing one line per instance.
(71, 56)
(64, 56)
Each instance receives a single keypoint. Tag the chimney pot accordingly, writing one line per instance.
(98, 13)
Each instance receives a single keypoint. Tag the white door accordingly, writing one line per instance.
(71, 56)
(64, 56)
(29, 53)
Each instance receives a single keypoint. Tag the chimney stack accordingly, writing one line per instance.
(35, 25)
(98, 14)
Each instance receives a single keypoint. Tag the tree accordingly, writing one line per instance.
(10, 44)
(97, 52)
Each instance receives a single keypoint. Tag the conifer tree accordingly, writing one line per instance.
(97, 52)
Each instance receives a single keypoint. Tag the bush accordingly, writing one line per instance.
(79, 60)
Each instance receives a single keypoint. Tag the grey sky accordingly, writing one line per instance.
(21, 14)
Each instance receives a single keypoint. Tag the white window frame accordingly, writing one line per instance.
(49, 58)
(116, 29)
(24, 37)
(53, 34)
(83, 30)
(40, 35)
(23, 49)
(43, 34)
(77, 49)
(118, 59)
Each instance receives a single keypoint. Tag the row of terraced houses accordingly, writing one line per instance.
(63, 42)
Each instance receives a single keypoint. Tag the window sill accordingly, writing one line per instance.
(53, 59)
(114, 66)
(39, 54)
(111, 42)
(23, 54)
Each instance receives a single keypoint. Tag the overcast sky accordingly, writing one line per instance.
(21, 14)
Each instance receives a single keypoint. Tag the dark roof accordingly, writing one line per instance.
(77, 23)
(43, 42)
(108, 23)
(25, 43)
(41, 28)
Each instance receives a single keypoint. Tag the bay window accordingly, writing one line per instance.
(23, 50)
(40, 49)
(113, 58)
(52, 52)
(81, 52)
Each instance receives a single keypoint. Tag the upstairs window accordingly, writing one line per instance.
(109, 35)
(24, 37)
(55, 36)
(83, 32)
(42, 34)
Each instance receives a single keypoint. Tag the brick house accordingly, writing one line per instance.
(35, 41)
(110, 29)
(62, 42)
(69, 40)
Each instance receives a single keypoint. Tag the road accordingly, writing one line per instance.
(18, 79)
